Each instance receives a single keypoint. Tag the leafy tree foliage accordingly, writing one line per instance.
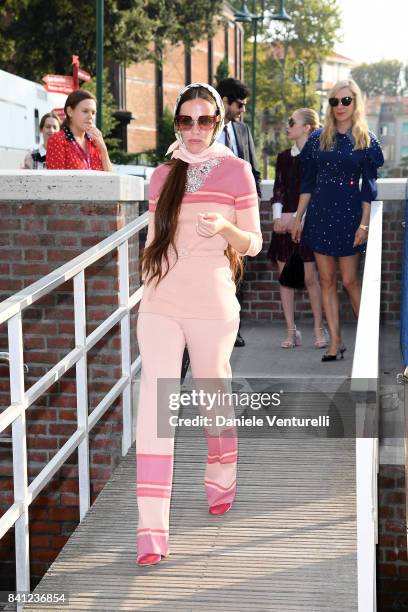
(45, 34)
(309, 37)
(379, 78)
(39, 36)
(223, 71)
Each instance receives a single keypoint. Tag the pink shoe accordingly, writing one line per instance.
(296, 339)
(220, 508)
(321, 338)
(149, 559)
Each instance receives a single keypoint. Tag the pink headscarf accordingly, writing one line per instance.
(216, 149)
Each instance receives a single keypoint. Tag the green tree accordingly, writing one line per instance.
(379, 78)
(310, 36)
(108, 108)
(223, 71)
(166, 134)
(43, 35)
(9, 10)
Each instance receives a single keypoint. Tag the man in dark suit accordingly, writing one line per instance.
(237, 136)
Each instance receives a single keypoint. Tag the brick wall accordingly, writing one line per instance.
(36, 237)
(261, 290)
(392, 561)
(140, 80)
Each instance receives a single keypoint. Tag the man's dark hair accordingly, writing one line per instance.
(232, 89)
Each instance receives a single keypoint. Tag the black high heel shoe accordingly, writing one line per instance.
(338, 355)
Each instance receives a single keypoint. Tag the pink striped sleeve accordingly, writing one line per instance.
(247, 211)
(156, 183)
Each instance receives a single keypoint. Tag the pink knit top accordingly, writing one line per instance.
(199, 283)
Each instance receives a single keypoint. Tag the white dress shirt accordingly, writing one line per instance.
(233, 140)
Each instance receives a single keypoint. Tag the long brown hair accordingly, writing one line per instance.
(168, 211)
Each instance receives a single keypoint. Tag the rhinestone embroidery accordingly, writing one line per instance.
(196, 175)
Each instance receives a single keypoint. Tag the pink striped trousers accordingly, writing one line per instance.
(161, 342)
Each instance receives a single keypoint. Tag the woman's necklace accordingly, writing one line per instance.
(197, 174)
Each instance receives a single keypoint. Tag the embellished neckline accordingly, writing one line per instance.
(197, 173)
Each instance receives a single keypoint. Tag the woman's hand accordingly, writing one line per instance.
(360, 237)
(279, 226)
(296, 230)
(97, 137)
(210, 224)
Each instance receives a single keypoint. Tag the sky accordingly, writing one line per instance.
(374, 30)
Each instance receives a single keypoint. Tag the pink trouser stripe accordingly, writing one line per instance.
(154, 469)
(147, 492)
(225, 458)
(152, 543)
(215, 496)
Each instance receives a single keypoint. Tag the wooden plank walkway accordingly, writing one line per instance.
(288, 544)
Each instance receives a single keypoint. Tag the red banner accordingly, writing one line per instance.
(83, 75)
(59, 112)
(64, 89)
(59, 79)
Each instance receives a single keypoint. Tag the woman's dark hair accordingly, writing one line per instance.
(168, 211)
(75, 98)
(51, 115)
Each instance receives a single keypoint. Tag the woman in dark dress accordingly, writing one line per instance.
(284, 202)
(338, 212)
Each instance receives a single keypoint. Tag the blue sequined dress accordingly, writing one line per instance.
(332, 178)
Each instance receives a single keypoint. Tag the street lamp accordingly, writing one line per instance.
(243, 15)
(99, 61)
(299, 75)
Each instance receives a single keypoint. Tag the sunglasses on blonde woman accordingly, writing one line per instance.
(346, 101)
(204, 122)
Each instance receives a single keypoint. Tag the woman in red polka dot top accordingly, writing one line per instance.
(79, 145)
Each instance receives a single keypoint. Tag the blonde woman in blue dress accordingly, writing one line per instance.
(338, 211)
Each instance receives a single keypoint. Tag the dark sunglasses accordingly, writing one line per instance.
(291, 122)
(346, 101)
(204, 122)
(239, 103)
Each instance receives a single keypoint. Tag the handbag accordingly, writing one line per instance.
(293, 273)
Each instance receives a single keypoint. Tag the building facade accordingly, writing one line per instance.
(388, 118)
(144, 90)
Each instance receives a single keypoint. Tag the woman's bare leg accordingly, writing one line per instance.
(315, 296)
(327, 273)
(288, 304)
(349, 267)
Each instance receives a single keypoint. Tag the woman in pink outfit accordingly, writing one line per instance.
(203, 217)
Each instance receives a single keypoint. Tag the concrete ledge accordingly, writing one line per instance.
(69, 185)
(388, 189)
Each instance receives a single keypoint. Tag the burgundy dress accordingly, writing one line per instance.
(286, 190)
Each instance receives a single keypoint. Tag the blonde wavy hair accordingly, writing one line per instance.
(359, 123)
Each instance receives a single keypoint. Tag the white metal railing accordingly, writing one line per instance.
(15, 415)
(365, 379)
